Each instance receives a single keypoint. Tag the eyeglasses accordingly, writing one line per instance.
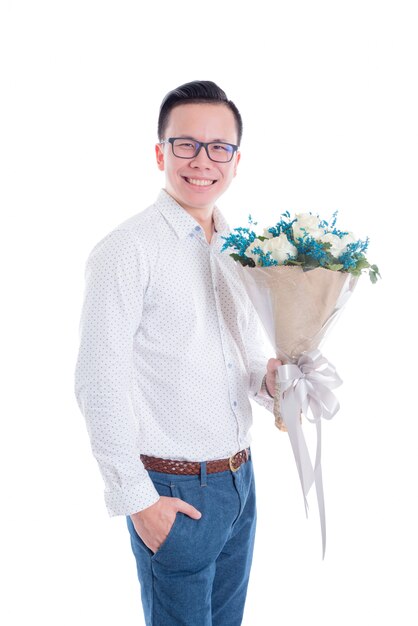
(185, 148)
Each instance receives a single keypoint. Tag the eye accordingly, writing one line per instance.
(220, 147)
(223, 148)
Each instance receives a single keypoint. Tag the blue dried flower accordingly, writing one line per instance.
(314, 251)
(239, 241)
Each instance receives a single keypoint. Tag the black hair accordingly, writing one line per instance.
(198, 91)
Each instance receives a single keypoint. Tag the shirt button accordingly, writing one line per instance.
(216, 289)
(235, 403)
(197, 227)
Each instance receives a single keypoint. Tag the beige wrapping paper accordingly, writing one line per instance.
(296, 307)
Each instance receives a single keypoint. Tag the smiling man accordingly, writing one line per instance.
(193, 178)
(169, 359)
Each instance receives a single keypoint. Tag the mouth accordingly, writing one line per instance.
(199, 182)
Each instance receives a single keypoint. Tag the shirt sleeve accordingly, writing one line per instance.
(257, 355)
(115, 284)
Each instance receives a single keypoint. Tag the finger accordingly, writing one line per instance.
(188, 509)
(273, 364)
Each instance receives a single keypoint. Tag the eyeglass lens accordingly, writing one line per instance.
(187, 149)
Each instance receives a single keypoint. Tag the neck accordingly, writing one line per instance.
(205, 220)
(203, 216)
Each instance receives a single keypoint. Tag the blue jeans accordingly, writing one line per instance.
(199, 575)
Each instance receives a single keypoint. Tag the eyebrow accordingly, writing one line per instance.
(194, 139)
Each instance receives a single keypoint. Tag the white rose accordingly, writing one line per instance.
(249, 251)
(307, 224)
(279, 247)
(338, 244)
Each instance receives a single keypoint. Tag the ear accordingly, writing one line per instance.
(238, 156)
(159, 153)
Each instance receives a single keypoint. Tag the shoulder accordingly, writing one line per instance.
(142, 225)
(132, 237)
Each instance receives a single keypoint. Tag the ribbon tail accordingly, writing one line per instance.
(320, 488)
(291, 418)
(308, 387)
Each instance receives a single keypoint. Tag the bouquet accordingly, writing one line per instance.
(299, 274)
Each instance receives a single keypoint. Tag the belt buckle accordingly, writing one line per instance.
(231, 466)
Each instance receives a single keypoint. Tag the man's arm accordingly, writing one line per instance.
(116, 279)
(261, 368)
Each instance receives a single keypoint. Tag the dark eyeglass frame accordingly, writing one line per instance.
(200, 145)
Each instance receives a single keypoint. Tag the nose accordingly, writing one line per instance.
(201, 159)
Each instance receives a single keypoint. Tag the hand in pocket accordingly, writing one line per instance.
(154, 523)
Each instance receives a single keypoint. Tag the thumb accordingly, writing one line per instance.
(188, 509)
(272, 365)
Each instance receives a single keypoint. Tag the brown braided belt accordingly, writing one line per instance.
(168, 466)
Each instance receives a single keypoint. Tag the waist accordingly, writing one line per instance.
(187, 468)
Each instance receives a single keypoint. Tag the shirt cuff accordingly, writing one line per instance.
(256, 381)
(262, 396)
(131, 500)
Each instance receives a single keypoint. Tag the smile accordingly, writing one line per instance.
(199, 181)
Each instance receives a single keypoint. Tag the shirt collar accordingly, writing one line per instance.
(181, 221)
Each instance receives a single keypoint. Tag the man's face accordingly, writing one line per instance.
(202, 122)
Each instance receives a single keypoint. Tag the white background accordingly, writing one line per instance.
(328, 95)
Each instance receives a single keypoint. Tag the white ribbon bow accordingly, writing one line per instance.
(307, 387)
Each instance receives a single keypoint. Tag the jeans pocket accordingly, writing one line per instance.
(167, 488)
(171, 533)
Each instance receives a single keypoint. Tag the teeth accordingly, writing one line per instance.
(201, 183)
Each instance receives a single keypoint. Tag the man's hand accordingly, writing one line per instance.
(154, 523)
(272, 365)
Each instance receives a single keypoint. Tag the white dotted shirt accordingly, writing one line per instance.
(170, 350)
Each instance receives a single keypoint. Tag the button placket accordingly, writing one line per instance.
(225, 349)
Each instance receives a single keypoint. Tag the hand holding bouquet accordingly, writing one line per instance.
(299, 274)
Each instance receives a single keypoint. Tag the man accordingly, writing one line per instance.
(169, 356)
